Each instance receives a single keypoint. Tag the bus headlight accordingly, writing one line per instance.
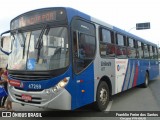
(61, 84)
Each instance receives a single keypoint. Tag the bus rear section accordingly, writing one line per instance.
(123, 61)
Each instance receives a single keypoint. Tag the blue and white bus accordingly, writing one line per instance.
(64, 59)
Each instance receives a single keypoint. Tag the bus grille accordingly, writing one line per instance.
(28, 77)
(35, 75)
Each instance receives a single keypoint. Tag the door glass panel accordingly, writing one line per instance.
(84, 50)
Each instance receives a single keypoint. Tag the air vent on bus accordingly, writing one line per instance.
(28, 77)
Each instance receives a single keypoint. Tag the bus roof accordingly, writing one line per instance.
(73, 12)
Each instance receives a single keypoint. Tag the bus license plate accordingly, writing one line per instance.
(26, 97)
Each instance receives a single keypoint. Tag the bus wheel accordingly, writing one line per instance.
(145, 84)
(102, 96)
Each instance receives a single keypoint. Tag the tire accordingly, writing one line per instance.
(102, 96)
(146, 82)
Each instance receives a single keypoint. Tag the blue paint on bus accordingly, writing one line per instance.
(82, 86)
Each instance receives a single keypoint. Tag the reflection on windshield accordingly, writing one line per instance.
(53, 53)
(16, 58)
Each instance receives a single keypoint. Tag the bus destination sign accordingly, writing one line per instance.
(37, 17)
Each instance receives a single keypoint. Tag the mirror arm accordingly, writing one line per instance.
(1, 41)
(5, 32)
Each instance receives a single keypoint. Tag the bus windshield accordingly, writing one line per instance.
(44, 49)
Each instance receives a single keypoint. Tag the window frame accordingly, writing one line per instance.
(140, 48)
(134, 47)
(145, 48)
(74, 28)
(101, 42)
(124, 46)
(151, 52)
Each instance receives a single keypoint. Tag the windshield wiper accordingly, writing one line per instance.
(40, 42)
(24, 47)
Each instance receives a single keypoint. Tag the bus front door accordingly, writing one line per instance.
(83, 69)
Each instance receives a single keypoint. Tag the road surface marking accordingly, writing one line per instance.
(109, 106)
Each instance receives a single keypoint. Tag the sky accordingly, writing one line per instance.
(123, 14)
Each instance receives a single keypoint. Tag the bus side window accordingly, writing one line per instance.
(151, 52)
(121, 50)
(146, 51)
(140, 49)
(131, 49)
(107, 47)
(83, 44)
(155, 53)
(75, 45)
(77, 63)
(84, 47)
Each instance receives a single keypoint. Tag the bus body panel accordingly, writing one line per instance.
(43, 96)
(82, 87)
(154, 70)
(104, 68)
(60, 100)
(128, 73)
(123, 72)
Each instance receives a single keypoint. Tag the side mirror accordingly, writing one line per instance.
(1, 42)
(4, 41)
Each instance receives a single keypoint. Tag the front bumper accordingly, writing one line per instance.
(59, 100)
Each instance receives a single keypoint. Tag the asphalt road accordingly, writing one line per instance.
(138, 99)
(135, 99)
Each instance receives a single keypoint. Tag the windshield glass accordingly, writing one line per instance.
(37, 50)
(17, 58)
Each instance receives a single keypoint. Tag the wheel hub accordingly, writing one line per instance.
(103, 96)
